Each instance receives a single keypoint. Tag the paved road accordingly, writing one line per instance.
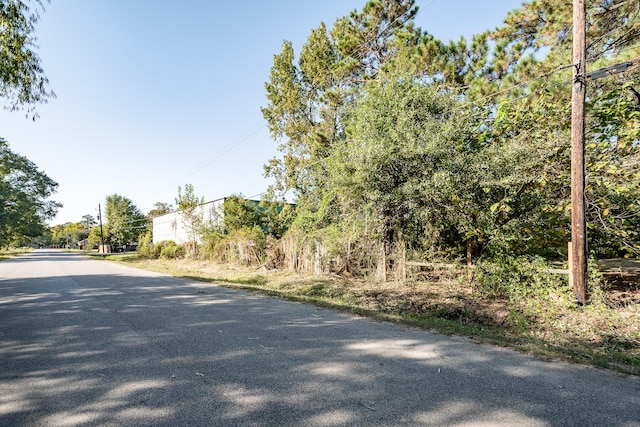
(86, 342)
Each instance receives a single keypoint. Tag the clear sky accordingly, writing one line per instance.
(156, 94)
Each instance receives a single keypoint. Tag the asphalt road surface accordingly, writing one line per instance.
(86, 342)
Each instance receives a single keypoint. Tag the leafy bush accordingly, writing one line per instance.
(533, 294)
(168, 249)
(516, 278)
(146, 247)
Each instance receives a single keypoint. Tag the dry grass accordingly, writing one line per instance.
(10, 253)
(605, 333)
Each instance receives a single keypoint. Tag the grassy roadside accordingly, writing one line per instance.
(605, 333)
(10, 253)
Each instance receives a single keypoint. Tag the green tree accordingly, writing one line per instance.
(22, 79)
(401, 134)
(159, 209)
(125, 221)
(190, 208)
(69, 233)
(460, 147)
(309, 102)
(95, 235)
(239, 212)
(613, 36)
(273, 217)
(519, 96)
(24, 193)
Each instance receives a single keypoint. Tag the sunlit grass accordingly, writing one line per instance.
(10, 253)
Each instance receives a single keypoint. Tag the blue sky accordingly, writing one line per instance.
(156, 94)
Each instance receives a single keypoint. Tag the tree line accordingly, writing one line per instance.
(455, 150)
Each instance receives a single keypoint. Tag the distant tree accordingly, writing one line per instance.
(22, 79)
(160, 208)
(190, 207)
(126, 221)
(89, 221)
(94, 235)
(24, 191)
(68, 233)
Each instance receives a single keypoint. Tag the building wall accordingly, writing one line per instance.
(172, 227)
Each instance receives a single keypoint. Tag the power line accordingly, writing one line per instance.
(220, 154)
(227, 149)
(515, 86)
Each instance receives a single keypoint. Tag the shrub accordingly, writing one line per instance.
(244, 246)
(146, 247)
(168, 249)
(326, 250)
(517, 278)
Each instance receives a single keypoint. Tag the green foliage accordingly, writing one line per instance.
(239, 212)
(516, 278)
(24, 193)
(190, 208)
(96, 235)
(597, 283)
(22, 79)
(309, 102)
(125, 221)
(402, 141)
(69, 233)
(455, 149)
(146, 248)
(243, 246)
(613, 171)
(168, 249)
(274, 218)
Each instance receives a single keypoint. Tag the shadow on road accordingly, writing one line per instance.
(124, 349)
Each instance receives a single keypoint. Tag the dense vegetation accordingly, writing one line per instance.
(24, 193)
(400, 150)
(399, 146)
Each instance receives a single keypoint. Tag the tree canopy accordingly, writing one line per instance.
(22, 80)
(462, 148)
(125, 222)
(24, 190)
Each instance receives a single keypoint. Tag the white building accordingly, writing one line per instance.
(172, 226)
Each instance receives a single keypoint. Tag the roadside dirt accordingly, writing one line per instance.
(623, 280)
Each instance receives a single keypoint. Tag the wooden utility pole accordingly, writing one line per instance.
(578, 259)
(101, 234)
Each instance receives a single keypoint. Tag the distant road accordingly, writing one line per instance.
(86, 342)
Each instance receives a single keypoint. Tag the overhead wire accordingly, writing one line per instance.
(220, 154)
(216, 156)
(359, 50)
